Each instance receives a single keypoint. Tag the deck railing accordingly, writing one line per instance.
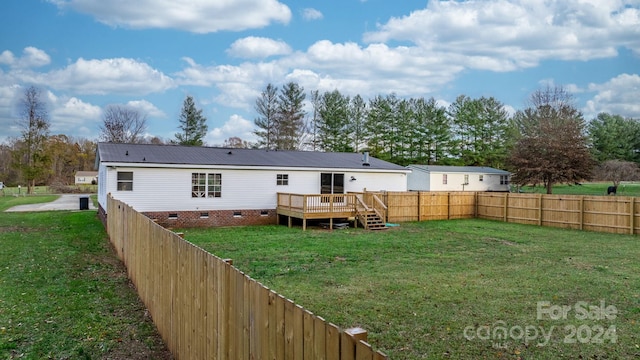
(317, 203)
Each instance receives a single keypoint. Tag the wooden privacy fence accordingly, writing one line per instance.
(610, 214)
(423, 206)
(204, 308)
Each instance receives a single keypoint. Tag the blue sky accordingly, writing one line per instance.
(151, 54)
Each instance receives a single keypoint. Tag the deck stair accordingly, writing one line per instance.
(371, 220)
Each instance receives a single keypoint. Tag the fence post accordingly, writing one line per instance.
(540, 209)
(448, 206)
(581, 212)
(419, 205)
(632, 216)
(475, 205)
(506, 207)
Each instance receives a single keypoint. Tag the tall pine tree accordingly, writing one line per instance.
(334, 131)
(290, 125)
(192, 123)
(267, 108)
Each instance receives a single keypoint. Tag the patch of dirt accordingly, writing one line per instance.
(134, 349)
(132, 343)
(7, 229)
(501, 241)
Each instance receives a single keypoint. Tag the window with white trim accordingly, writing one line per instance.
(444, 179)
(504, 179)
(125, 181)
(206, 185)
(480, 177)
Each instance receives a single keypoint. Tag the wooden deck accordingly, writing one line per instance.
(322, 206)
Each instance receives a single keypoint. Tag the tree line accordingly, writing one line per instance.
(402, 131)
(548, 142)
(36, 157)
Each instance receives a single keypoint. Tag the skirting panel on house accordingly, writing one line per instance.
(204, 218)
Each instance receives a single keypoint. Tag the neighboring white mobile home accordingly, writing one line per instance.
(214, 184)
(457, 178)
(86, 177)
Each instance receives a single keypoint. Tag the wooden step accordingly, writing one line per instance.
(373, 221)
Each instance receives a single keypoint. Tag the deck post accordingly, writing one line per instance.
(289, 220)
(304, 223)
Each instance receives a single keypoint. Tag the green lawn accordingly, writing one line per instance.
(64, 294)
(625, 189)
(439, 289)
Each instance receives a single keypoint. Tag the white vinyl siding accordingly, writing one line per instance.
(421, 179)
(169, 189)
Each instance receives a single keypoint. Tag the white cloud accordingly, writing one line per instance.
(258, 47)
(617, 96)
(31, 57)
(146, 108)
(34, 57)
(118, 75)
(235, 126)
(9, 95)
(6, 57)
(504, 35)
(73, 116)
(198, 16)
(311, 14)
(327, 66)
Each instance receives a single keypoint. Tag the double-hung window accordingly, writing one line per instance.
(125, 181)
(282, 179)
(206, 185)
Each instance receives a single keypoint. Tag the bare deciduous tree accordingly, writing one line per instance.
(617, 171)
(122, 124)
(32, 158)
(235, 142)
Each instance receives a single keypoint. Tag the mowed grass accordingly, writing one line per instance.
(441, 289)
(599, 188)
(64, 294)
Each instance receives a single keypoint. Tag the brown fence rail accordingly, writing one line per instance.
(204, 308)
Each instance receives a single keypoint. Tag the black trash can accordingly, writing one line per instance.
(84, 203)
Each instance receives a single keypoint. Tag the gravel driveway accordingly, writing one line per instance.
(65, 202)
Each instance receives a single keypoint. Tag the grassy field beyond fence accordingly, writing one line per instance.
(433, 289)
(63, 293)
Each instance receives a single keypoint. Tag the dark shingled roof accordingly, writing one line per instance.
(194, 155)
(460, 169)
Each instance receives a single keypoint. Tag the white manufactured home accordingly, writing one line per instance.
(207, 186)
(86, 177)
(457, 178)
